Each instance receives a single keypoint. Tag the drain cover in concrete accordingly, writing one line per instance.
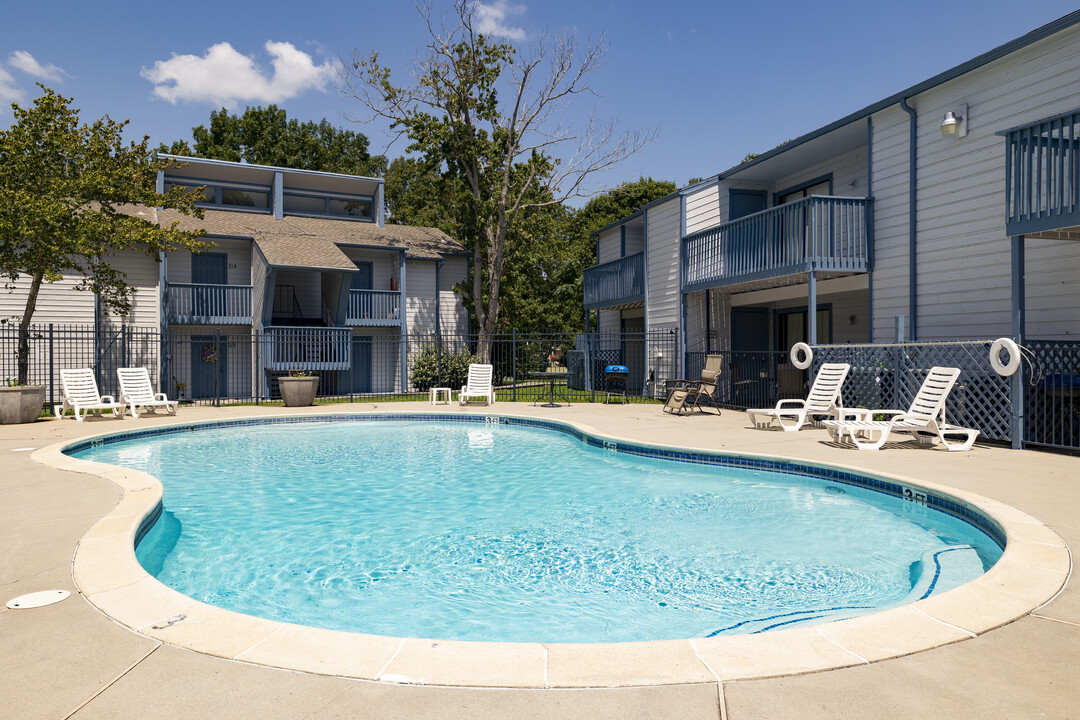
(37, 599)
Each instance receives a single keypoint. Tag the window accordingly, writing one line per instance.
(209, 193)
(352, 207)
(822, 188)
(255, 198)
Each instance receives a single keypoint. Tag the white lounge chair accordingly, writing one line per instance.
(479, 385)
(137, 392)
(924, 419)
(81, 395)
(824, 399)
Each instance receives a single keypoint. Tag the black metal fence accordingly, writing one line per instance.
(215, 367)
(1052, 399)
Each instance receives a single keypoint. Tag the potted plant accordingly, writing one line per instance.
(20, 403)
(298, 388)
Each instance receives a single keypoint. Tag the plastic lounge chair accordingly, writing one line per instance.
(824, 399)
(136, 391)
(479, 385)
(688, 394)
(925, 418)
(81, 395)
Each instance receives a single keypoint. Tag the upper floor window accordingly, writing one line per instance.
(354, 207)
(233, 197)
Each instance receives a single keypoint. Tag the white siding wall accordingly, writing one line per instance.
(848, 174)
(384, 265)
(57, 302)
(703, 208)
(890, 220)
(143, 272)
(609, 321)
(609, 245)
(178, 264)
(453, 320)
(420, 296)
(663, 265)
(635, 238)
(963, 252)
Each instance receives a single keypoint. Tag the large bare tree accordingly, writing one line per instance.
(490, 116)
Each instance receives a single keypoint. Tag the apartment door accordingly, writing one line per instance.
(361, 364)
(749, 364)
(208, 269)
(361, 279)
(792, 326)
(208, 362)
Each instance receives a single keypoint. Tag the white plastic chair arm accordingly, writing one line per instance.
(795, 401)
(110, 399)
(162, 397)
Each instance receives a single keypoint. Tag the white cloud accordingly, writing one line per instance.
(226, 77)
(493, 19)
(28, 64)
(9, 92)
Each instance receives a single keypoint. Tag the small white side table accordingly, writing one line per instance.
(440, 395)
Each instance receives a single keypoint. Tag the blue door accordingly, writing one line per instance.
(209, 269)
(207, 367)
(361, 279)
(750, 361)
(361, 364)
(743, 238)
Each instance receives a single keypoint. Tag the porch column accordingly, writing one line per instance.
(811, 308)
(1016, 389)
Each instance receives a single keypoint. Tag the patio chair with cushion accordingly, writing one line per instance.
(688, 394)
(925, 418)
(478, 385)
(137, 392)
(823, 400)
(81, 395)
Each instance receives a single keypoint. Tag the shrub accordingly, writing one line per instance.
(437, 367)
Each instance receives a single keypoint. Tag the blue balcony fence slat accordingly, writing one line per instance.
(614, 283)
(202, 303)
(374, 307)
(1042, 175)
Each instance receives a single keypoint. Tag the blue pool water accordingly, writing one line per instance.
(497, 532)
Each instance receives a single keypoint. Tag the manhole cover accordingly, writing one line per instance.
(37, 599)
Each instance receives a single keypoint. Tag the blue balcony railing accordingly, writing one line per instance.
(615, 283)
(1042, 175)
(374, 308)
(306, 348)
(816, 233)
(199, 304)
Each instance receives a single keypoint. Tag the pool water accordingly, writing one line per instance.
(504, 533)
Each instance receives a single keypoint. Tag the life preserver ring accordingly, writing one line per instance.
(806, 351)
(1010, 347)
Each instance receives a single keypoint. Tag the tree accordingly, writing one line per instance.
(508, 155)
(266, 136)
(62, 190)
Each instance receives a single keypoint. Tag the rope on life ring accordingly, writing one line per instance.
(1004, 369)
(805, 351)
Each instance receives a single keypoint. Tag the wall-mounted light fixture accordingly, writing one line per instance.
(955, 123)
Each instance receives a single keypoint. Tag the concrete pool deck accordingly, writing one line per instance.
(69, 657)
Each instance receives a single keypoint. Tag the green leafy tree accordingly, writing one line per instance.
(266, 136)
(63, 187)
(487, 116)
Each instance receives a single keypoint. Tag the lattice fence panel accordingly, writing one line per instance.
(889, 376)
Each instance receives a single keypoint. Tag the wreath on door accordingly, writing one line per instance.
(210, 354)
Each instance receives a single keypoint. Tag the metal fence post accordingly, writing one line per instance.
(52, 369)
(217, 370)
(513, 364)
(1016, 390)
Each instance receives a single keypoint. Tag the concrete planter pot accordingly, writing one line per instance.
(298, 391)
(21, 404)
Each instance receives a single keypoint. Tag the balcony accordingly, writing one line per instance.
(374, 308)
(306, 348)
(1042, 175)
(825, 234)
(620, 283)
(201, 304)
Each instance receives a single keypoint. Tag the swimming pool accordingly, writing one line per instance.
(535, 551)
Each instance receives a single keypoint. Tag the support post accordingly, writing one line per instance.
(811, 308)
(1019, 310)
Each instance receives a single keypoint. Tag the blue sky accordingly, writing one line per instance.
(720, 79)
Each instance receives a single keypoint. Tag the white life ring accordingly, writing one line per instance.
(805, 350)
(995, 356)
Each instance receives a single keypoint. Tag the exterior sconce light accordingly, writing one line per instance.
(955, 123)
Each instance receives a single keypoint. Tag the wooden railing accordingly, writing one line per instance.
(824, 233)
(374, 307)
(615, 283)
(1042, 175)
(200, 303)
(306, 348)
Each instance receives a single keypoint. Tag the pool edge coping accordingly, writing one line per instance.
(1034, 566)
